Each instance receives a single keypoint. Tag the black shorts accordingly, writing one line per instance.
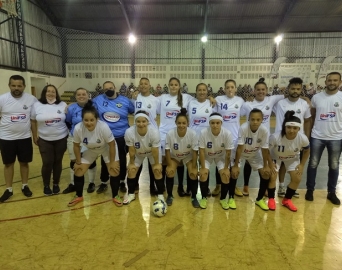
(22, 149)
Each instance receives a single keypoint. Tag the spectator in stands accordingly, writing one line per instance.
(158, 89)
(220, 92)
(185, 89)
(123, 90)
(152, 92)
(165, 89)
(210, 90)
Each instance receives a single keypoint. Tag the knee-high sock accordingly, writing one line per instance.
(232, 185)
(131, 183)
(204, 187)
(72, 164)
(247, 170)
(137, 176)
(114, 184)
(180, 174)
(289, 193)
(189, 183)
(169, 185)
(218, 177)
(79, 183)
(92, 173)
(164, 174)
(224, 191)
(152, 179)
(271, 192)
(193, 187)
(262, 188)
(160, 186)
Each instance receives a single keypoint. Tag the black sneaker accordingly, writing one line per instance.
(333, 198)
(47, 191)
(309, 195)
(91, 188)
(69, 189)
(181, 192)
(7, 194)
(169, 200)
(55, 189)
(102, 188)
(123, 188)
(26, 191)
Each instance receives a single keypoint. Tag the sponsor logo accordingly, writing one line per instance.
(111, 117)
(206, 110)
(259, 140)
(298, 111)
(98, 141)
(171, 114)
(326, 116)
(149, 106)
(267, 108)
(336, 104)
(287, 157)
(265, 118)
(199, 121)
(229, 117)
(182, 154)
(144, 153)
(59, 112)
(119, 105)
(214, 153)
(248, 151)
(18, 118)
(25, 107)
(52, 121)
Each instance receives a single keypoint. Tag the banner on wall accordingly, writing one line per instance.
(323, 70)
(287, 73)
(275, 67)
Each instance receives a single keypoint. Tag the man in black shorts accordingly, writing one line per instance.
(15, 134)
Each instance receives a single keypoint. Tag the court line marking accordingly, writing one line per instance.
(175, 229)
(56, 212)
(136, 258)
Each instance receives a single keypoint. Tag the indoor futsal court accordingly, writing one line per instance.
(73, 44)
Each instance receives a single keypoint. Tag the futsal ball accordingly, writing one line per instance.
(159, 208)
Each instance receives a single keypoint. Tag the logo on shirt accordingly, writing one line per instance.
(182, 154)
(199, 121)
(188, 146)
(18, 118)
(336, 104)
(25, 107)
(149, 106)
(150, 145)
(229, 117)
(52, 121)
(206, 110)
(59, 112)
(259, 140)
(111, 117)
(326, 116)
(222, 145)
(236, 106)
(214, 153)
(98, 141)
(119, 105)
(267, 108)
(287, 157)
(298, 111)
(171, 114)
(249, 151)
(264, 119)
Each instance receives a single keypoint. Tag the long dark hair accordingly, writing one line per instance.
(289, 117)
(43, 99)
(179, 95)
(89, 108)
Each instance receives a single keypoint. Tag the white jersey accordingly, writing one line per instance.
(266, 106)
(300, 107)
(168, 111)
(199, 115)
(15, 116)
(284, 149)
(51, 120)
(215, 146)
(230, 109)
(181, 147)
(142, 144)
(151, 105)
(96, 140)
(328, 121)
(252, 141)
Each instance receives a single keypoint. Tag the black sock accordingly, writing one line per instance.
(271, 192)
(193, 188)
(169, 185)
(152, 179)
(137, 176)
(180, 174)
(164, 172)
(160, 186)
(289, 193)
(224, 191)
(189, 183)
(204, 188)
(262, 188)
(247, 170)
(114, 185)
(131, 183)
(232, 185)
(218, 177)
(79, 183)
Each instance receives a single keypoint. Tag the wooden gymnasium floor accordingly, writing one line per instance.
(43, 233)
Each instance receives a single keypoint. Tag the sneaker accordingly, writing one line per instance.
(309, 195)
(123, 188)
(216, 191)
(187, 193)
(209, 193)
(271, 204)
(102, 188)
(129, 199)
(281, 191)
(7, 194)
(75, 201)
(47, 191)
(91, 188)
(288, 203)
(262, 204)
(69, 189)
(26, 191)
(224, 204)
(203, 203)
(296, 194)
(333, 198)
(245, 191)
(169, 200)
(117, 201)
(232, 203)
(238, 192)
(181, 192)
(195, 203)
(55, 189)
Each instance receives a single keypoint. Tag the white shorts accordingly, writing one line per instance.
(70, 146)
(290, 165)
(184, 160)
(219, 161)
(140, 159)
(232, 156)
(256, 161)
(89, 156)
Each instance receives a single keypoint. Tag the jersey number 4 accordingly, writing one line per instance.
(85, 141)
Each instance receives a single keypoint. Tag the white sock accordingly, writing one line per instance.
(22, 187)
(72, 176)
(92, 174)
(161, 197)
(10, 189)
(281, 184)
(104, 182)
(122, 181)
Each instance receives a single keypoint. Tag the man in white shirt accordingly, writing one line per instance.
(15, 134)
(326, 113)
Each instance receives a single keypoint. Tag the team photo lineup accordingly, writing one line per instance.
(174, 130)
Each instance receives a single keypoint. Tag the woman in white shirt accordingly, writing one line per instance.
(50, 133)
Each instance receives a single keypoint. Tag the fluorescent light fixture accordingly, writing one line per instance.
(132, 39)
(204, 38)
(278, 38)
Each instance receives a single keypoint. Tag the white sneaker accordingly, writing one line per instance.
(129, 198)
(296, 195)
(161, 197)
(281, 191)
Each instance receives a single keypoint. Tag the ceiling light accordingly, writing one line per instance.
(278, 38)
(132, 39)
(204, 38)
